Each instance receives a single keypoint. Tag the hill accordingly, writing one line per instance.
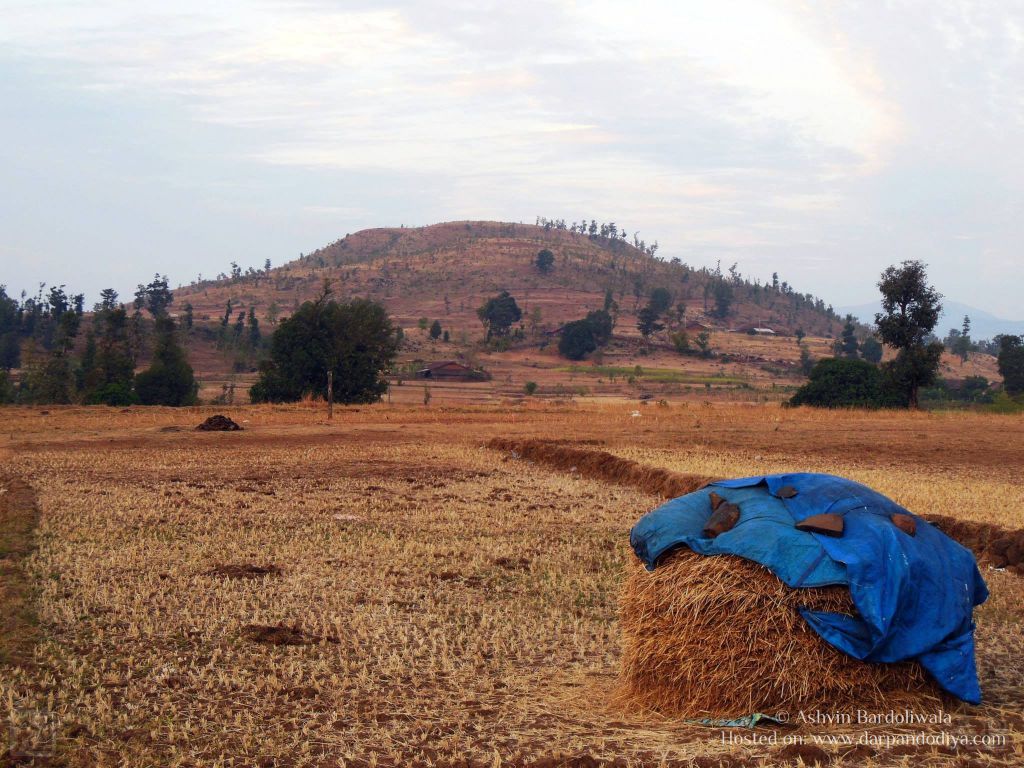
(446, 271)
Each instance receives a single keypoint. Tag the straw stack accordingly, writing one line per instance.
(721, 636)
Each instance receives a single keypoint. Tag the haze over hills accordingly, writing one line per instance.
(984, 325)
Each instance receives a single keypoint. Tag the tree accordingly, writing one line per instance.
(169, 379)
(806, 361)
(647, 322)
(436, 330)
(660, 300)
(577, 340)
(871, 350)
(704, 344)
(355, 339)
(545, 260)
(681, 341)
(844, 383)
(188, 315)
(1011, 363)
(108, 377)
(498, 314)
(254, 329)
(529, 388)
(848, 344)
(911, 309)
(799, 336)
(962, 344)
(723, 293)
(155, 297)
(601, 325)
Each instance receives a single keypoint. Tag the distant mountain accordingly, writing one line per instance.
(983, 324)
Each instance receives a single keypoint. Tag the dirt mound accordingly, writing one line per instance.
(602, 465)
(218, 423)
(244, 570)
(713, 636)
(991, 544)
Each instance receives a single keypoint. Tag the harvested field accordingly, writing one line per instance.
(427, 601)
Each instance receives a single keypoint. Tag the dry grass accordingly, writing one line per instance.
(714, 636)
(439, 603)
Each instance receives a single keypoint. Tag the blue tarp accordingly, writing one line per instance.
(914, 594)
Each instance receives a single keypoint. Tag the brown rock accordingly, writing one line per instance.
(905, 523)
(786, 492)
(716, 500)
(828, 524)
(722, 520)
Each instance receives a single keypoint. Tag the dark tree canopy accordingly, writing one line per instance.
(577, 340)
(436, 330)
(498, 314)
(1011, 363)
(647, 321)
(911, 311)
(601, 324)
(837, 382)
(910, 306)
(848, 344)
(660, 300)
(155, 297)
(723, 294)
(169, 379)
(871, 350)
(355, 339)
(545, 260)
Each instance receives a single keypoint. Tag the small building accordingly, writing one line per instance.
(450, 370)
(764, 331)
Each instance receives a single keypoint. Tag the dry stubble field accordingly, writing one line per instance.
(382, 590)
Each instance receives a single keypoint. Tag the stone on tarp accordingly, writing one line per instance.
(829, 524)
(722, 520)
(905, 523)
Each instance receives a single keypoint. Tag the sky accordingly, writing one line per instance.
(822, 140)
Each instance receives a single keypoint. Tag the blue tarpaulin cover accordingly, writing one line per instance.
(914, 594)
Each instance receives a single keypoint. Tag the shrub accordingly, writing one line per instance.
(845, 383)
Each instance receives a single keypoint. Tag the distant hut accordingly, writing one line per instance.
(450, 370)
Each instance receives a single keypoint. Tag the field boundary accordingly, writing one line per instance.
(991, 544)
(19, 515)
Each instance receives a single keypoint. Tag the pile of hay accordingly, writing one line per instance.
(721, 636)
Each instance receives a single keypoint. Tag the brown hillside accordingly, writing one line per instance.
(446, 271)
(412, 271)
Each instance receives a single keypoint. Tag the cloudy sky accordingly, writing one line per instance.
(823, 140)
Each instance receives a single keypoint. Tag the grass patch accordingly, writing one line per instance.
(658, 375)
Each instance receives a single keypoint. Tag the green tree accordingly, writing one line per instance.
(723, 293)
(911, 309)
(7, 393)
(577, 340)
(498, 314)
(188, 315)
(545, 260)
(254, 329)
(355, 339)
(169, 379)
(1011, 363)
(647, 322)
(799, 336)
(844, 383)
(601, 324)
(871, 350)
(704, 344)
(109, 375)
(681, 341)
(660, 300)
(529, 388)
(436, 330)
(155, 297)
(962, 346)
(848, 345)
(445, 337)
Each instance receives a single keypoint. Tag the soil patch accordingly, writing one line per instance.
(19, 515)
(244, 570)
(282, 634)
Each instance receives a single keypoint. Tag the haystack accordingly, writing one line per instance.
(721, 636)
